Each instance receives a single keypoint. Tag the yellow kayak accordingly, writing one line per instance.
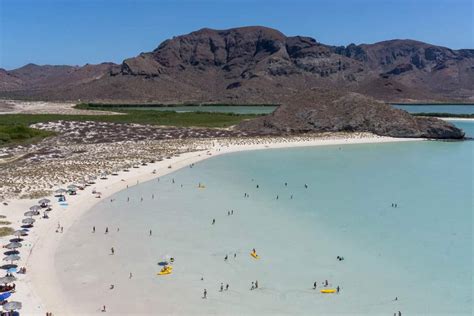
(253, 254)
(326, 291)
(165, 271)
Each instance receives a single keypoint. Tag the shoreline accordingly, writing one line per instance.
(39, 289)
(456, 119)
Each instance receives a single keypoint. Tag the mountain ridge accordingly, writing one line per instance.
(256, 64)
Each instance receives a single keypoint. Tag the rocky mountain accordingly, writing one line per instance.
(350, 112)
(256, 65)
(32, 77)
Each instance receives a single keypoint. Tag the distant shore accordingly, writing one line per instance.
(432, 103)
(39, 289)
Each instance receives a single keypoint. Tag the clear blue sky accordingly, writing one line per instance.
(76, 32)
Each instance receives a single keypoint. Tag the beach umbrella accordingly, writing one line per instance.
(12, 270)
(12, 306)
(7, 279)
(30, 213)
(35, 208)
(13, 245)
(12, 258)
(44, 201)
(5, 295)
(28, 221)
(19, 233)
(72, 187)
(60, 191)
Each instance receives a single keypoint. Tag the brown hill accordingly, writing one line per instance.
(351, 112)
(256, 64)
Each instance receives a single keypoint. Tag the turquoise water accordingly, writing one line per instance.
(238, 109)
(419, 252)
(433, 108)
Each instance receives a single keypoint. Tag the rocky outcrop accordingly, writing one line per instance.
(333, 112)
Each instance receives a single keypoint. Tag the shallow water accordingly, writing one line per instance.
(420, 252)
(436, 108)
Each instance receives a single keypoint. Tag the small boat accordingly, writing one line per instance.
(328, 291)
(254, 254)
(166, 270)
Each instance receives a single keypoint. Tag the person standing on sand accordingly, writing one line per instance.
(93, 229)
(213, 221)
(227, 287)
(252, 287)
(112, 250)
(130, 276)
(103, 309)
(226, 257)
(222, 287)
(106, 230)
(315, 285)
(338, 289)
(256, 284)
(205, 294)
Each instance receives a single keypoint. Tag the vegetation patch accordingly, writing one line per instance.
(444, 115)
(6, 231)
(167, 118)
(13, 133)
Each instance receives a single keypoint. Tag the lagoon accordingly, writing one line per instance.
(236, 109)
(437, 108)
(419, 252)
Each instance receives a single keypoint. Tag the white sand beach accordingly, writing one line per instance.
(40, 290)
